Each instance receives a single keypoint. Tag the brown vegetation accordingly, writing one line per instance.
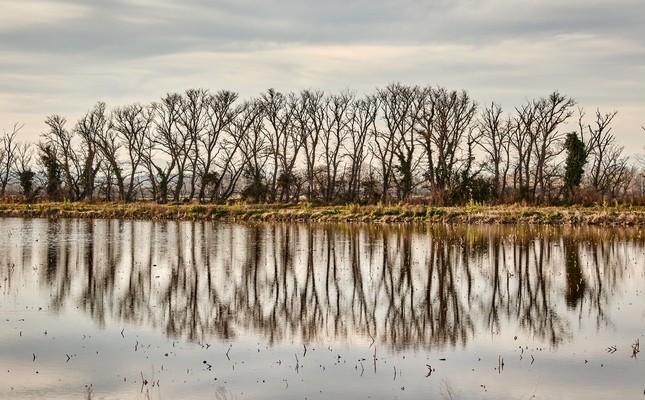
(472, 213)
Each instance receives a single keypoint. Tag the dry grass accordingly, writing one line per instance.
(472, 213)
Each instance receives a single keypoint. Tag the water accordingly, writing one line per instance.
(118, 310)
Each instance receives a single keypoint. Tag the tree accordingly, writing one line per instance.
(607, 167)
(575, 163)
(494, 140)
(132, 124)
(49, 160)
(309, 115)
(220, 167)
(61, 160)
(522, 139)
(24, 171)
(363, 114)
(446, 134)
(192, 121)
(97, 141)
(551, 112)
(538, 142)
(248, 129)
(336, 129)
(172, 141)
(8, 157)
(394, 145)
(285, 141)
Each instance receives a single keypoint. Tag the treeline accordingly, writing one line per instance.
(401, 143)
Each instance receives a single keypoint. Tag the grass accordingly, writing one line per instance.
(471, 213)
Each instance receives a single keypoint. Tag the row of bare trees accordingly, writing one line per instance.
(395, 144)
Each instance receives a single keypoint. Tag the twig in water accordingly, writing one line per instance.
(89, 392)
(143, 382)
(229, 349)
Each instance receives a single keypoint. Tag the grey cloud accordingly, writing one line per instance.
(65, 54)
(128, 28)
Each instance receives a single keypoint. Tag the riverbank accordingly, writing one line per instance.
(305, 212)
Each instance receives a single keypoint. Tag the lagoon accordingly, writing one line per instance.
(195, 309)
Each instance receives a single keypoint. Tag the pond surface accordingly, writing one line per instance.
(163, 310)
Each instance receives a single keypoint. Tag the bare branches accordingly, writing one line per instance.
(132, 125)
(220, 147)
(445, 129)
(606, 167)
(8, 153)
(396, 143)
(400, 107)
(495, 140)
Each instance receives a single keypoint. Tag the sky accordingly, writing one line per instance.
(62, 56)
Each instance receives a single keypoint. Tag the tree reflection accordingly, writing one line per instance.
(410, 287)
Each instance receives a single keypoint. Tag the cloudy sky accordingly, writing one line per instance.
(61, 56)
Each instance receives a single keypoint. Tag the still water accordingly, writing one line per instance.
(110, 309)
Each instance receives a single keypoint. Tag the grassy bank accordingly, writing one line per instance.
(398, 213)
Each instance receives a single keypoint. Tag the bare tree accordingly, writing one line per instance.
(522, 138)
(494, 140)
(255, 149)
(92, 129)
(24, 170)
(284, 140)
(606, 166)
(3, 157)
(333, 147)
(401, 107)
(132, 124)
(551, 112)
(538, 142)
(219, 168)
(363, 126)
(446, 134)
(192, 121)
(336, 129)
(57, 146)
(97, 127)
(8, 154)
(309, 115)
(174, 142)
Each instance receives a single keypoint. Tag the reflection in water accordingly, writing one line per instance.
(409, 287)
